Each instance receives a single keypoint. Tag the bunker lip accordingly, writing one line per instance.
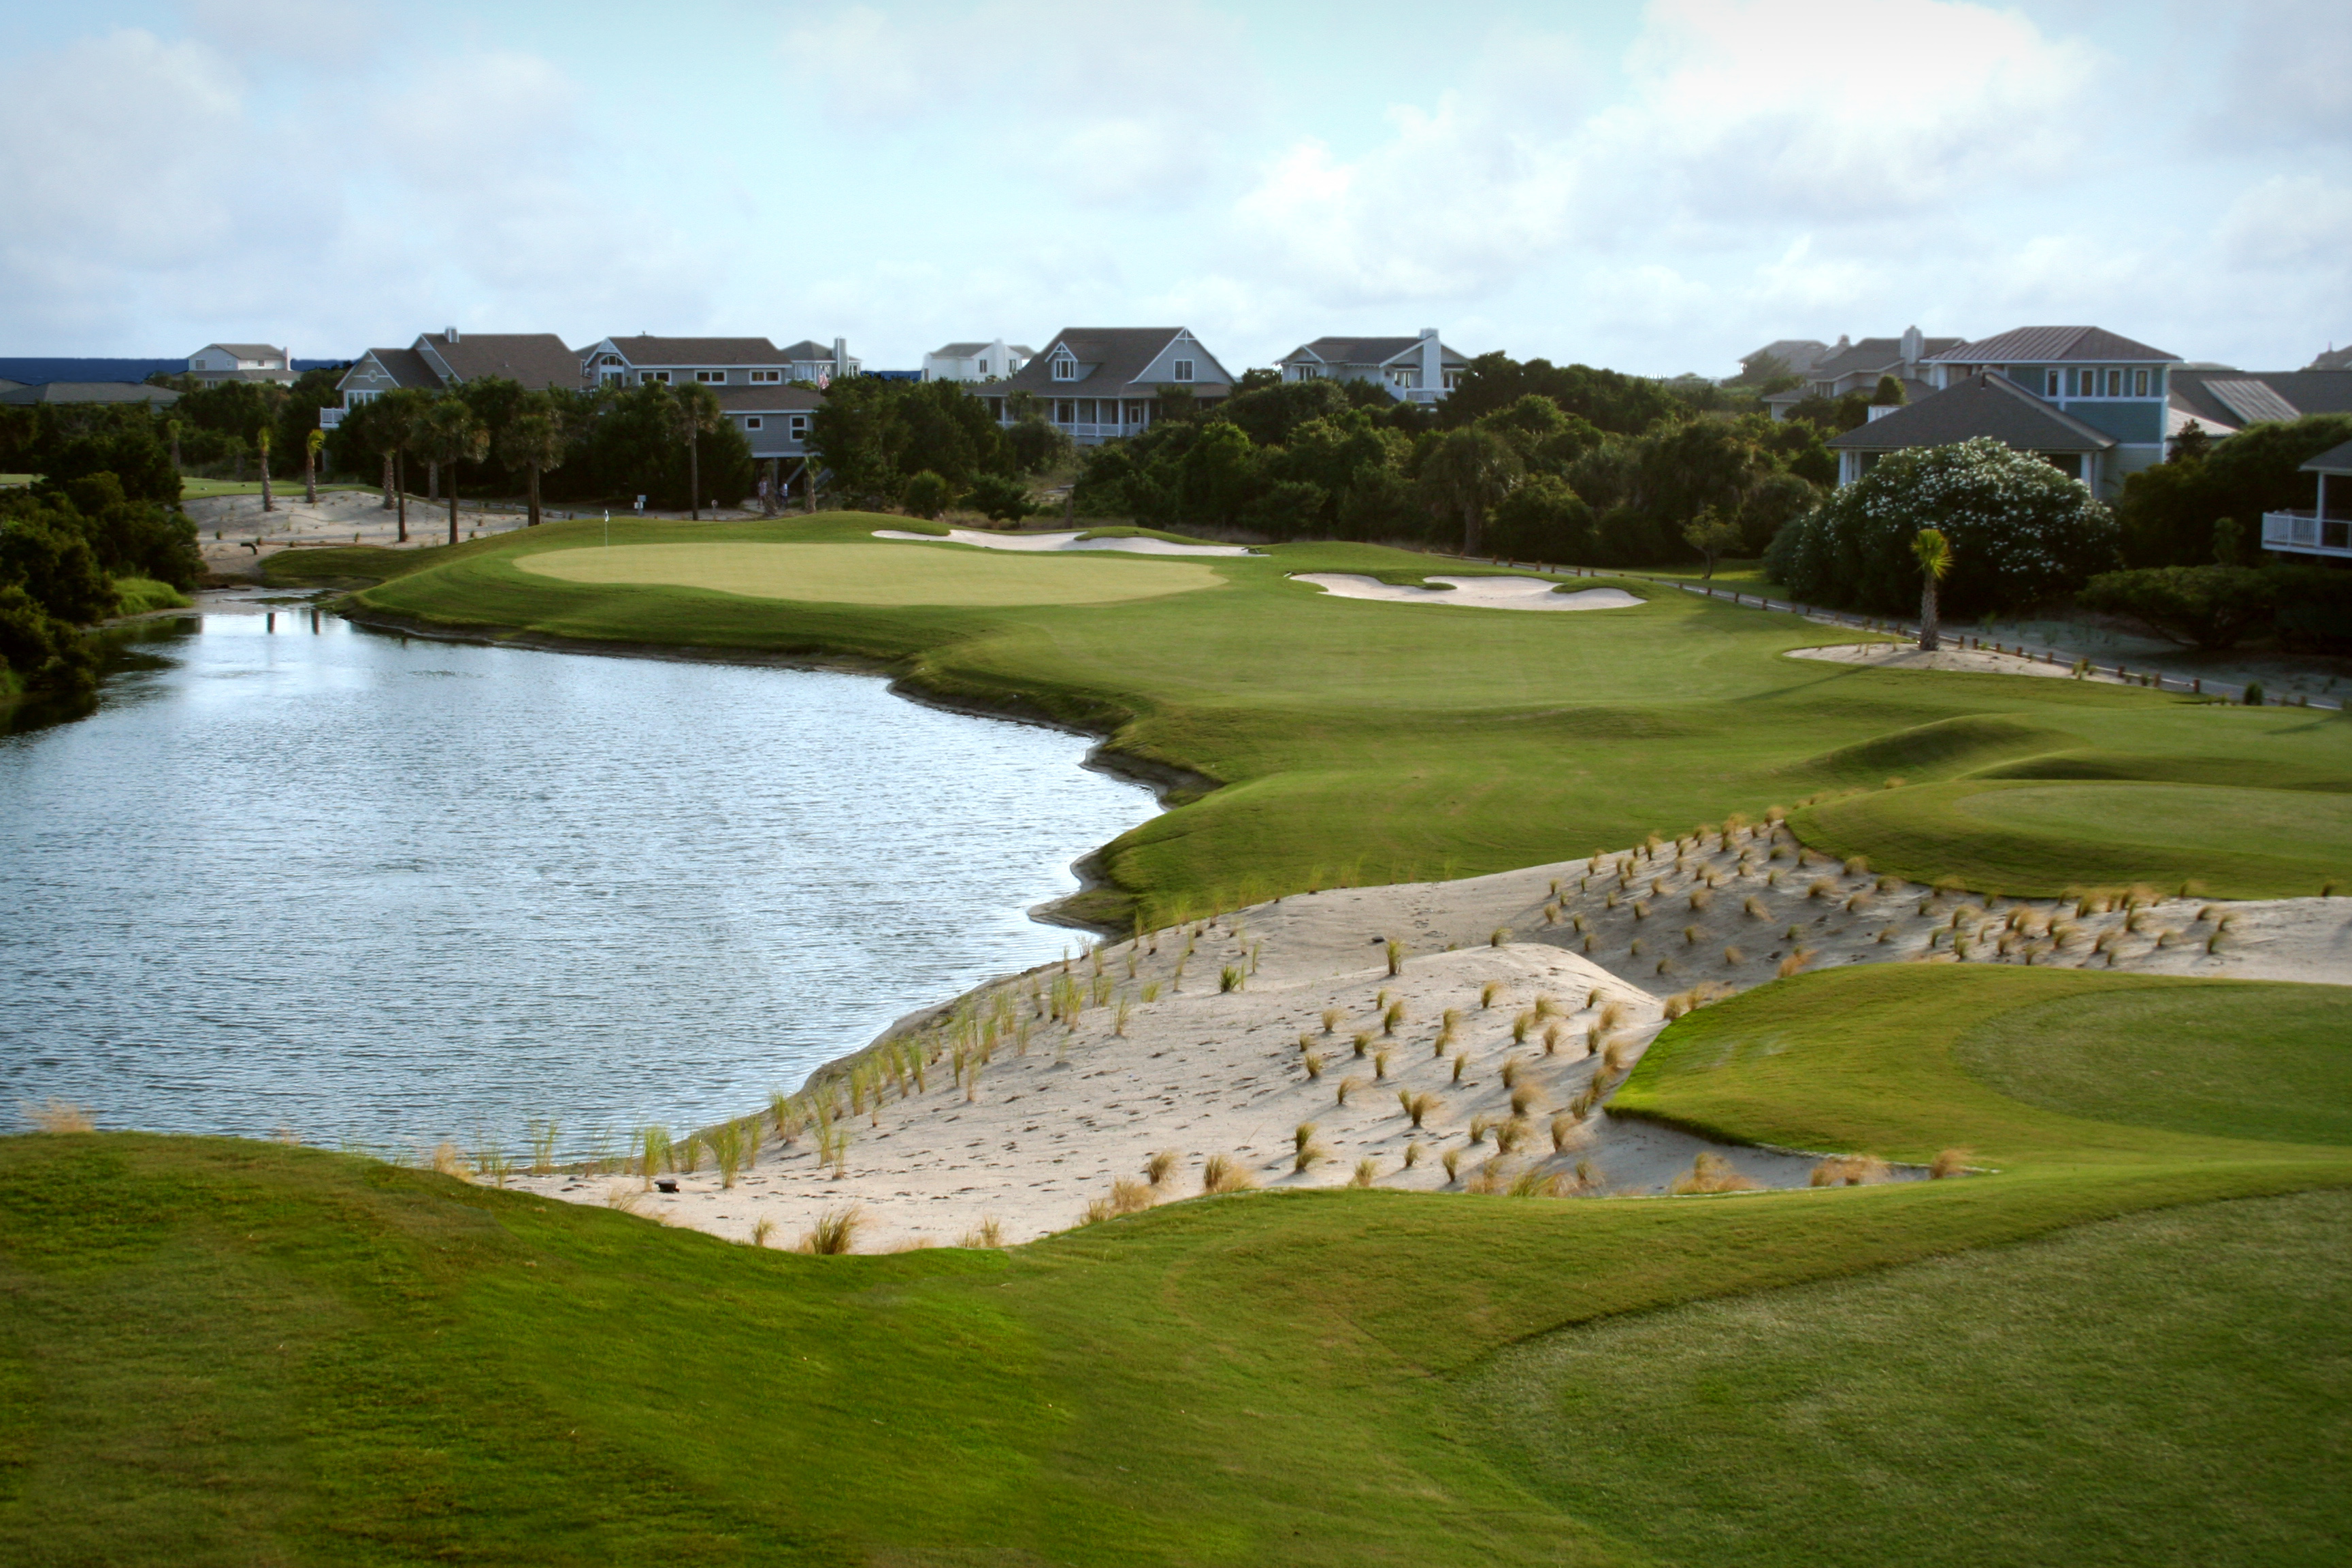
(1470, 593)
(1076, 540)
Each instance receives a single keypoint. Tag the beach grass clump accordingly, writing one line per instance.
(834, 1232)
(988, 1233)
(54, 1115)
(1565, 1129)
(1331, 1016)
(652, 1153)
(762, 1228)
(1848, 1171)
(1224, 1174)
(1711, 1172)
(1950, 1163)
(1379, 1066)
(1499, 936)
(1362, 1041)
(1417, 1105)
(1451, 1161)
(1391, 1017)
(1395, 951)
(1368, 1170)
(1487, 992)
(1128, 1195)
(1461, 1065)
(1349, 1086)
(1231, 978)
(1313, 1062)
(1536, 1184)
(1794, 963)
(1512, 1068)
(1552, 1035)
(1520, 1027)
(1161, 1166)
(726, 1142)
(1412, 1151)
(1526, 1097)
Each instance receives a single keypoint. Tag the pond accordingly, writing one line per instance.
(295, 876)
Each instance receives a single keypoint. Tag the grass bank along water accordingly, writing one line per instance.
(1363, 742)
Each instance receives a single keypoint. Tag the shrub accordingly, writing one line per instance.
(2205, 607)
(2021, 532)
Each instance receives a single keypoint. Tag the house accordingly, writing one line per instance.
(1411, 369)
(774, 419)
(1797, 355)
(995, 361)
(215, 364)
(89, 392)
(1986, 404)
(439, 361)
(1857, 367)
(2223, 401)
(2325, 529)
(2334, 359)
(1098, 383)
(812, 362)
(2115, 386)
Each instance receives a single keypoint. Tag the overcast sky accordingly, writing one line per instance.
(1657, 188)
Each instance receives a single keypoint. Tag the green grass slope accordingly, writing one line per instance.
(1368, 741)
(227, 1352)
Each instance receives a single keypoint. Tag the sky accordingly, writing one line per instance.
(1658, 188)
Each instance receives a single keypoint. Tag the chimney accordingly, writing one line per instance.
(1914, 345)
(1433, 362)
(449, 335)
(840, 357)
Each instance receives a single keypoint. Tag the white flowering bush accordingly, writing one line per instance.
(2021, 532)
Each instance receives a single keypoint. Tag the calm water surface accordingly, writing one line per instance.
(386, 891)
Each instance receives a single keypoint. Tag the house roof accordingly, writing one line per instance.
(1983, 405)
(1110, 359)
(809, 349)
(247, 351)
(1370, 351)
(1796, 353)
(2334, 460)
(406, 366)
(1881, 354)
(647, 350)
(91, 391)
(784, 399)
(535, 359)
(2052, 346)
(2218, 398)
(2334, 359)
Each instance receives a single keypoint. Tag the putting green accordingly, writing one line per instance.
(2040, 839)
(875, 573)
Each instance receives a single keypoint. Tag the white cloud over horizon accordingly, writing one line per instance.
(1658, 194)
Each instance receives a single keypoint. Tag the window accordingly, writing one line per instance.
(710, 375)
(2139, 384)
(750, 422)
(797, 427)
(1183, 370)
(609, 359)
(2057, 382)
(1065, 369)
(1065, 412)
(660, 376)
(2115, 384)
(766, 377)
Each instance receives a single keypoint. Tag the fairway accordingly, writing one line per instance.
(2041, 838)
(874, 573)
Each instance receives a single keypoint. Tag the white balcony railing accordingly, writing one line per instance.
(330, 418)
(2307, 533)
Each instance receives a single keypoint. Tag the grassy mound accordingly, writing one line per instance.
(227, 1352)
(1358, 744)
(875, 573)
(2037, 838)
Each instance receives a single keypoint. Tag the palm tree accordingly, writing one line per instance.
(1934, 552)
(532, 441)
(1469, 472)
(261, 445)
(172, 429)
(453, 434)
(696, 411)
(312, 439)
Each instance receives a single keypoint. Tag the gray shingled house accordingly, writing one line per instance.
(1098, 383)
(1987, 403)
(215, 364)
(1411, 369)
(438, 361)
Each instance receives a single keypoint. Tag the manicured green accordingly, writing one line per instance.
(1368, 741)
(2042, 837)
(193, 489)
(216, 1351)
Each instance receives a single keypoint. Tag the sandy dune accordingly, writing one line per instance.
(1075, 541)
(1974, 661)
(1057, 1114)
(1474, 592)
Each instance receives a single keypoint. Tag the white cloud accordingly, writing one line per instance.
(2290, 75)
(1742, 123)
(1109, 103)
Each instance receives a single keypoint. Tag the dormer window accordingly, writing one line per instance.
(710, 376)
(766, 377)
(610, 359)
(1064, 369)
(1183, 368)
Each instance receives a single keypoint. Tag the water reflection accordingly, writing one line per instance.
(293, 873)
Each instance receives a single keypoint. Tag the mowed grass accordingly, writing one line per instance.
(193, 489)
(892, 574)
(2040, 839)
(217, 1352)
(1361, 741)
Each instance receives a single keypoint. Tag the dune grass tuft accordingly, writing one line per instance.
(1451, 1159)
(1487, 992)
(1391, 1017)
(1331, 1016)
(1362, 1041)
(1224, 1174)
(1417, 1106)
(1950, 1163)
(1711, 1172)
(834, 1232)
(1313, 1062)
(989, 1232)
(1794, 961)
(1849, 1170)
(1395, 951)
(1368, 1170)
(1161, 1166)
(55, 1116)
(1349, 1086)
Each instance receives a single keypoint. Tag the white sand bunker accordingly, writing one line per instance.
(1073, 541)
(1973, 662)
(1476, 593)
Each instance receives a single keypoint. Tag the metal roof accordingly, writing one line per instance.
(1370, 351)
(2047, 345)
(2334, 460)
(647, 350)
(2250, 401)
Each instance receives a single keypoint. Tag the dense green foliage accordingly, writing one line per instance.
(1576, 466)
(67, 441)
(222, 1353)
(2205, 607)
(63, 549)
(877, 437)
(2021, 532)
(2168, 512)
(1375, 742)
